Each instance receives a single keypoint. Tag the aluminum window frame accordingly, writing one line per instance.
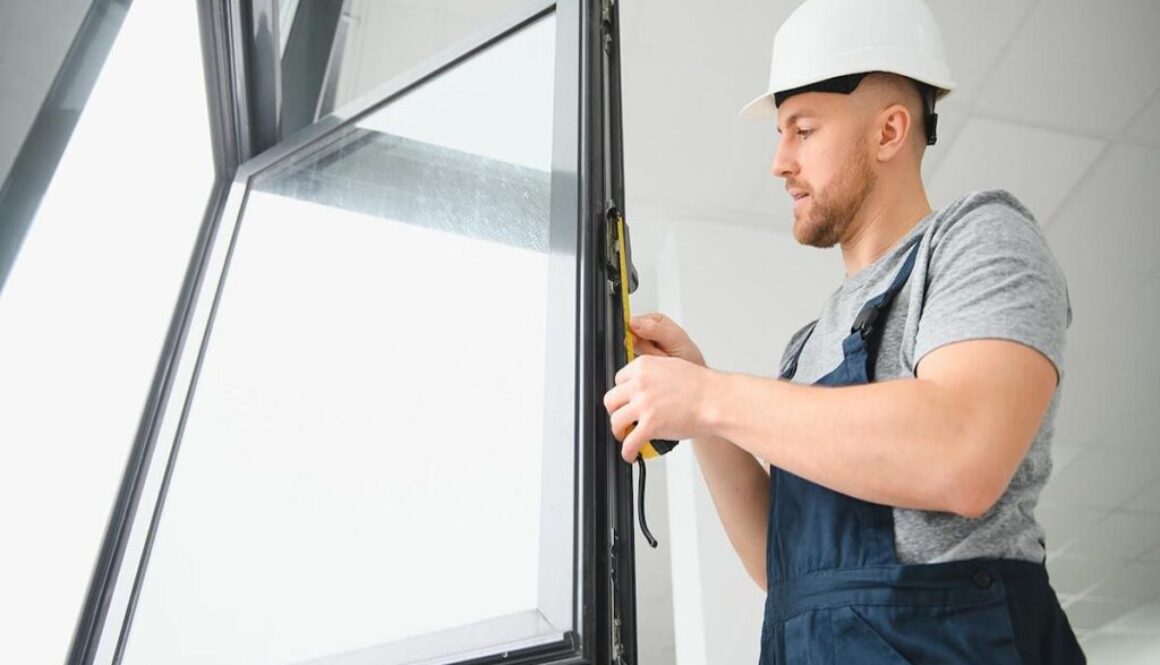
(24, 187)
(585, 172)
(218, 27)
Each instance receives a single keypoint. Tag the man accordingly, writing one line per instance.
(908, 435)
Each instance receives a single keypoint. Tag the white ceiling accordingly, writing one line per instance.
(1078, 65)
(1059, 102)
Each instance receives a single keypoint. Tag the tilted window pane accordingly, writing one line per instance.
(365, 461)
(84, 314)
(384, 38)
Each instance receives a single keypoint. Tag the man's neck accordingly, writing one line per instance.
(883, 219)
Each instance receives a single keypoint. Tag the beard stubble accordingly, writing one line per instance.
(832, 210)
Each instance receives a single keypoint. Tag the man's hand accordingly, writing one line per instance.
(663, 391)
(674, 387)
(657, 335)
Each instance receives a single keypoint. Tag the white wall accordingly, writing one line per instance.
(654, 592)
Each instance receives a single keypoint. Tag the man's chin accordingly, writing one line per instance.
(804, 230)
(809, 233)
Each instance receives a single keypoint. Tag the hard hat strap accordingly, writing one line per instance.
(930, 121)
(839, 84)
(847, 84)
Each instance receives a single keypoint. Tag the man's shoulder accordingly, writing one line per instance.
(982, 219)
(983, 207)
(990, 235)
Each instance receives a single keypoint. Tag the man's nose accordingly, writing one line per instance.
(784, 163)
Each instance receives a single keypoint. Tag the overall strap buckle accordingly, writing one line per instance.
(866, 319)
(868, 316)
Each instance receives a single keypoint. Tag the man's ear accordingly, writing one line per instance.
(894, 131)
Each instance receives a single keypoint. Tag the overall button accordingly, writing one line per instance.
(982, 579)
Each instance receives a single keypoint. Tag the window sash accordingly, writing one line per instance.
(601, 505)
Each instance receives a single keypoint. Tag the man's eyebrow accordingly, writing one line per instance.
(795, 116)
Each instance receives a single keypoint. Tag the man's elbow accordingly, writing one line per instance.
(758, 576)
(972, 490)
(972, 503)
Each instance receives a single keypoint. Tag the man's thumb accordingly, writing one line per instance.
(666, 336)
(650, 326)
(642, 323)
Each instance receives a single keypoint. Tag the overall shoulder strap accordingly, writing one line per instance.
(873, 309)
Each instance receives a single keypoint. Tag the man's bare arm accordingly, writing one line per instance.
(740, 490)
(949, 440)
(737, 483)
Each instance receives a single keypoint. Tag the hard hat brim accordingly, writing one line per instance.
(760, 108)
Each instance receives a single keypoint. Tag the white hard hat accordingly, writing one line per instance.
(827, 39)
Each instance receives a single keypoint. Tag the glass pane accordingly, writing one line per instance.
(34, 38)
(84, 314)
(385, 38)
(365, 460)
(287, 9)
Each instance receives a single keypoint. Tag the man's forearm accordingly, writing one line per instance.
(740, 491)
(899, 443)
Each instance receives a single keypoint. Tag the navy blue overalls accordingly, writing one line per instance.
(837, 594)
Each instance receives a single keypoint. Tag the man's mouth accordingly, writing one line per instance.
(799, 202)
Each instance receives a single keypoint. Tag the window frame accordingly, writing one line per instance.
(586, 180)
(24, 187)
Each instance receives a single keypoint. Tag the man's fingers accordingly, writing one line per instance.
(621, 420)
(624, 373)
(632, 445)
(646, 348)
(655, 326)
(665, 335)
(616, 398)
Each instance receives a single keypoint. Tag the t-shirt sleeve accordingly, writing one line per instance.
(795, 343)
(991, 275)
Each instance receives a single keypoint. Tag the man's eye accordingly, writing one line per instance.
(804, 133)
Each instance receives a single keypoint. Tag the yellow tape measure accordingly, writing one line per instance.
(652, 448)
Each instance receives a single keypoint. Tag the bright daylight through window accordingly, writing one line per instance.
(366, 460)
(84, 313)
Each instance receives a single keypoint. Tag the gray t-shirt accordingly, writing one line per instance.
(983, 271)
